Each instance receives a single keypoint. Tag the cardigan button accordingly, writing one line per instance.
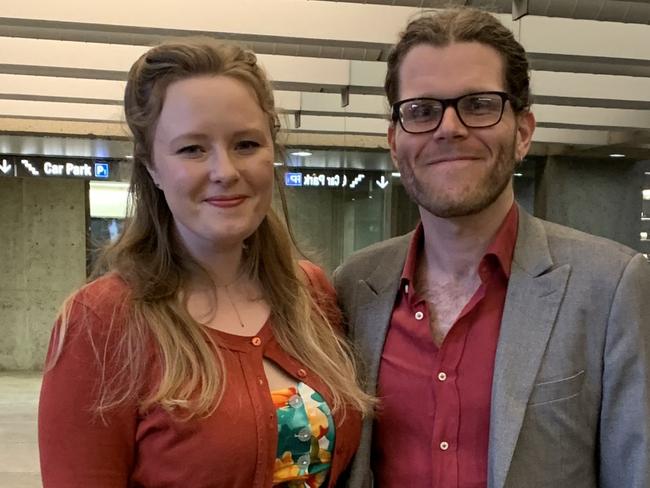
(302, 373)
(256, 341)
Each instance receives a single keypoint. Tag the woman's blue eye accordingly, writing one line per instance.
(191, 149)
(247, 145)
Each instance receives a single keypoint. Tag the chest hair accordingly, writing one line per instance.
(445, 300)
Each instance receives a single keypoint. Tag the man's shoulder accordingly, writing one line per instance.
(562, 236)
(578, 248)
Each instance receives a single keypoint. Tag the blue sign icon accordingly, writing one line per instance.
(293, 179)
(101, 170)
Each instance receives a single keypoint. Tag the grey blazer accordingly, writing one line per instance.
(571, 388)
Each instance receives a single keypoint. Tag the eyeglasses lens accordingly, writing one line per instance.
(474, 110)
(481, 110)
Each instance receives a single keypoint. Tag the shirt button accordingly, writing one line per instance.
(444, 445)
(442, 376)
(304, 435)
(302, 373)
(419, 315)
(256, 341)
(295, 401)
(260, 381)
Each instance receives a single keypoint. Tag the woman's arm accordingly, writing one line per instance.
(78, 447)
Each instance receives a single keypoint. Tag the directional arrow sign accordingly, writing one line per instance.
(5, 167)
(382, 182)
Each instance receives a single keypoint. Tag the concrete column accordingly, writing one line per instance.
(42, 259)
(598, 196)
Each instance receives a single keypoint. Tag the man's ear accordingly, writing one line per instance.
(525, 130)
(391, 144)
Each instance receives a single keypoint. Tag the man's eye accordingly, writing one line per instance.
(422, 111)
(481, 104)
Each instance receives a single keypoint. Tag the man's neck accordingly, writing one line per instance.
(453, 247)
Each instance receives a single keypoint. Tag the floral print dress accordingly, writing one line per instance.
(305, 438)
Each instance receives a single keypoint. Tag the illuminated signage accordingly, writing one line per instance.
(349, 180)
(6, 168)
(323, 180)
(293, 179)
(23, 166)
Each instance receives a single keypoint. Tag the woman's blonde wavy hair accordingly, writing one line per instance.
(157, 268)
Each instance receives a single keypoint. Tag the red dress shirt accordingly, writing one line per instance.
(235, 447)
(433, 427)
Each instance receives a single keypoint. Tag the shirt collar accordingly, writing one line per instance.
(503, 244)
(499, 253)
(414, 250)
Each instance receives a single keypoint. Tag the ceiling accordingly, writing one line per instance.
(63, 66)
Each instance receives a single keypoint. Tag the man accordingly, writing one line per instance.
(505, 351)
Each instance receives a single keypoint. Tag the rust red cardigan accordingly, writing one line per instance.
(235, 447)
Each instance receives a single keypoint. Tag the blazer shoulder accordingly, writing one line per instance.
(562, 237)
(368, 258)
(594, 256)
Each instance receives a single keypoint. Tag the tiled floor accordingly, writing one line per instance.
(18, 444)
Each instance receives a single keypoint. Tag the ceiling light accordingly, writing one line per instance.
(519, 174)
(277, 164)
(395, 175)
(301, 153)
(617, 155)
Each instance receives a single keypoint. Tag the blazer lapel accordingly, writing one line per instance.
(535, 291)
(374, 299)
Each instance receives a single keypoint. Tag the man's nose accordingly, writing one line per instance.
(450, 126)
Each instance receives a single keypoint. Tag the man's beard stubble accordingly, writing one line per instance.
(472, 200)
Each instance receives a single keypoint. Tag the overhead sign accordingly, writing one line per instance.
(350, 180)
(293, 179)
(24, 166)
(6, 168)
(382, 182)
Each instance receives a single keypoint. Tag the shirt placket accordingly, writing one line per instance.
(446, 423)
(447, 417)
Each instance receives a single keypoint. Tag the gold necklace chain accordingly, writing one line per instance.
(232, 302)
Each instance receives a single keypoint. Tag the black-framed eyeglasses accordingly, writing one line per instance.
(475, 110)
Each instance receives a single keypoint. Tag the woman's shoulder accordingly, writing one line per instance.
(317, 278)
(322, 291)
(101, 297)
(91, 320)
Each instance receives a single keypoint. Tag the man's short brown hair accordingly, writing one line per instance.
(463, 25)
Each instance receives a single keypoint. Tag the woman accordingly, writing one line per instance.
(205, 356)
